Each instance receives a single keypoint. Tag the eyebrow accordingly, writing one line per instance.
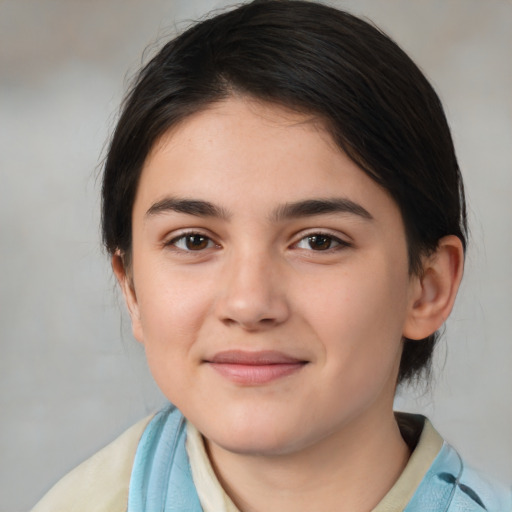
(194, 207)
(306, 208)
(312, 207)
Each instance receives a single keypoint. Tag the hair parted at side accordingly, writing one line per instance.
(374, 101)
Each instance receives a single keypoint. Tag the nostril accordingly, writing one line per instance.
(251, 324)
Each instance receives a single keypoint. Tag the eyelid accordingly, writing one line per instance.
(341, 241)
(171, 241)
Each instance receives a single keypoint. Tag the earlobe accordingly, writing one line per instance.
(127, 287)
(434, 292)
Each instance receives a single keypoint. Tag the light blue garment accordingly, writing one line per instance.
(451, 486)
(161, 478)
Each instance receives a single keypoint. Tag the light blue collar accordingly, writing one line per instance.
(161, 478)
(162, 481)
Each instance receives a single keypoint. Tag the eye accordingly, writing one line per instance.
(320, 242)
(192, 242)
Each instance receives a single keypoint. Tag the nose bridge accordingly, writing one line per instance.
(252, 291)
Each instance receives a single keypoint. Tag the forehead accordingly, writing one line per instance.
(242, 120)
(245, 154)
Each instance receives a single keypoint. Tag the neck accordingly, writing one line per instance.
(350, 470)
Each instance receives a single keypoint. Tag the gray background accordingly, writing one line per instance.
(71, 376)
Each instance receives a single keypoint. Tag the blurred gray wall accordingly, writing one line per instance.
(71, 376)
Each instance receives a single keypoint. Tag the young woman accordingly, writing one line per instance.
(286, 219)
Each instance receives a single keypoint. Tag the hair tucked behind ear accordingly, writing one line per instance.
(376, 103)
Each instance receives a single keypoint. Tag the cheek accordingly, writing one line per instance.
(172, 316)
(359, 316)
(173, 309)
(171, 303)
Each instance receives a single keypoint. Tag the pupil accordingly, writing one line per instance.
(319, 242)
(195, 242)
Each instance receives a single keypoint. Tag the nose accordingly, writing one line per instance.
(253, 294)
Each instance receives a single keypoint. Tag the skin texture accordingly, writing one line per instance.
(251, 279)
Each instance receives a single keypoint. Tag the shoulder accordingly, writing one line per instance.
(106, 474)
(450, 482)
(488, 493)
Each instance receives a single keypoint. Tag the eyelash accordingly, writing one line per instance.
(340, 244)
(182, 238)
(173, 243)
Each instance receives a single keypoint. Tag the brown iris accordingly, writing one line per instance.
(319, 242)
(196, 242)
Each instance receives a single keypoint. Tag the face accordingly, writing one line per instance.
(269, 279)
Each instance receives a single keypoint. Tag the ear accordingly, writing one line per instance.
(433, 293)
(125, 281)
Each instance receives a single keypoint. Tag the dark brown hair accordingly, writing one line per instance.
(377, 105)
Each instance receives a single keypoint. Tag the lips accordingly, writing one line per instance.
(254, 368)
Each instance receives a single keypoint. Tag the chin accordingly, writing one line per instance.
(268, 438)
(263, 445)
